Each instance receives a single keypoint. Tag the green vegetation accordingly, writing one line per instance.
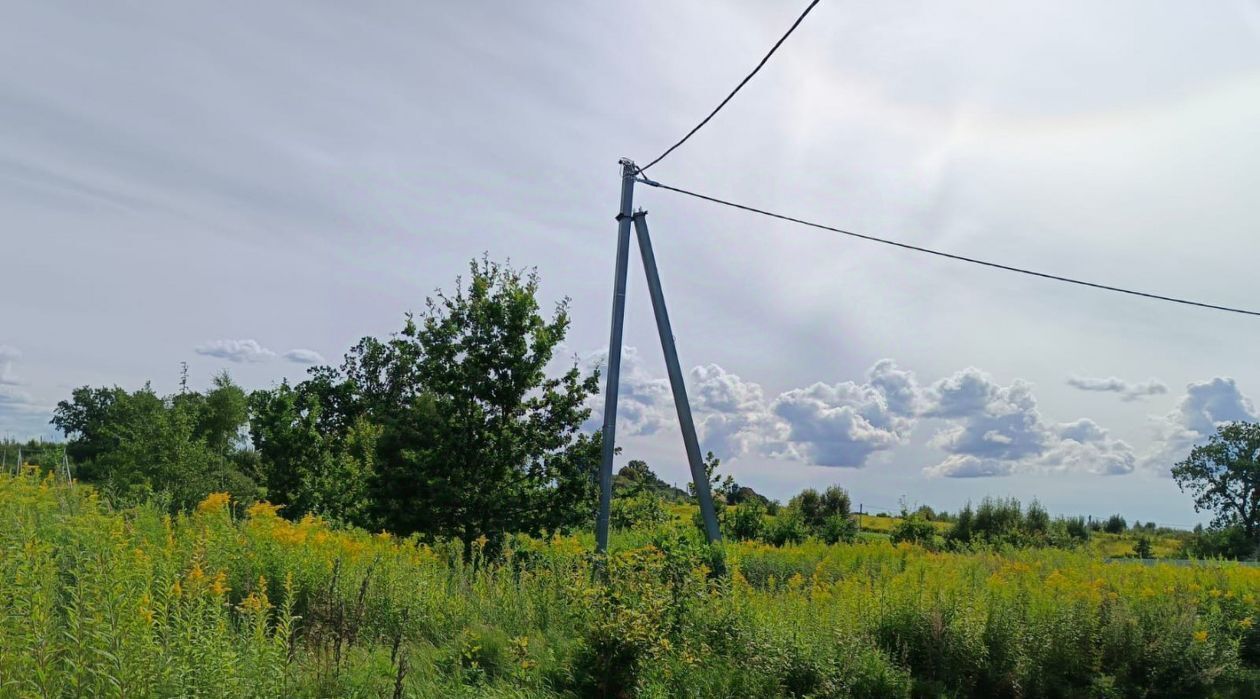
(218, 543)
(233, 602)
(1223, 476)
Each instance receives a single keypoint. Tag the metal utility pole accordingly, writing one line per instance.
(698, 476)
(629, 171)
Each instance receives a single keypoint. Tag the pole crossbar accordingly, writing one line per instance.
(686, 422)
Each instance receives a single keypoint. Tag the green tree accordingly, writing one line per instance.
(1223, 476)
(314, 460)
(477, 440)
(913, 528)
(1115, 524)
(1142, 547)
(136, 445)
(817, 509)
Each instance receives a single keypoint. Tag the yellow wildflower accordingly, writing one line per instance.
(262, 510)
(219, 587)
(1200, 636)
(214, 502)
(146, 612)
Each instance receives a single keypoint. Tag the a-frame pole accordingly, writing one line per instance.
(698, 477)
(628, 172)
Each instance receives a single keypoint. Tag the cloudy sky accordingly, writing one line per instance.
(254, 186)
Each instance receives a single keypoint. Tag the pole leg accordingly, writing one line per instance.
(613, 378)
(698, 477)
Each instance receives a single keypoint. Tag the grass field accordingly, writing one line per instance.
(224, 602)
(1106, 545)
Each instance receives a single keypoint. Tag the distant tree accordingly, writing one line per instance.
(1115, 524)
(913, 528)
(1036, 520)
(1223, 476)
(816, 508)
(1142, 547)
(135, 445)
(1219, 542)
(636, 470)
(787, 527)
(838, 529)
(721, 488)
(1076, 528)
(746, 521)
(961, 533)
(636, 477)
(452, 427)
(808, 503)
(1004, 522)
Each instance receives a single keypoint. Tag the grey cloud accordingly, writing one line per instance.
(965, 393)
(1085, 447)
(991, 429)
(1083, 430)
(238, 351)
(20, 413)
(1205, 406)
(645, 403)
(1001, 432)
(304, 356)
(968, 466)
(840, 424)
(899, 388)
(1127, 391)
(732, 416)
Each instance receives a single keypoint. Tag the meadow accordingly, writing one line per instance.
(233, 601)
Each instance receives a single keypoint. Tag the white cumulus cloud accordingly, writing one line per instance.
(645, 403)
(997, 430)
(238, 351)
(1205, 406)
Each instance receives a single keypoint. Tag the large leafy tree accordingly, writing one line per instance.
(454, 426)
(316, 458)
(1223, 476)
(484, 441)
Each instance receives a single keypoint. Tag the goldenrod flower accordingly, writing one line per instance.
(219, 587)
(214, 502)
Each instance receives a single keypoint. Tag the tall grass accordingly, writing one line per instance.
(222, 602)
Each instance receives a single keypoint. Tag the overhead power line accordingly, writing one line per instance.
(741, 84)
(951, 256)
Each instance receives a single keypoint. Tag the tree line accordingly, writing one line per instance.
(467, 424)
(452, 427)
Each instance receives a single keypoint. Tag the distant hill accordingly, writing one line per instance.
(636, 477)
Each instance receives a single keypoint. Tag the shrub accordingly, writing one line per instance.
(746, 521)
(640, 511)
(788, 527)
(913, 529)
(838, 529)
